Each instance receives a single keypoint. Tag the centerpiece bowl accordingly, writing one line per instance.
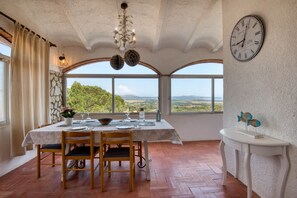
(105, 121)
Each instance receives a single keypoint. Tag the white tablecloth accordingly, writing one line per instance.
(162, 131)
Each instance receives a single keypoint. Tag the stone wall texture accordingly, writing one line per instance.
(55, 95)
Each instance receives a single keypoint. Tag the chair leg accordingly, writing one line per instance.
(131, 176)
(133, 163)
(140, 152)
(92, 173)
(53, 159)
(64, 173)
(38, 160)
(76, 166)
(109, 169)
(102, 174)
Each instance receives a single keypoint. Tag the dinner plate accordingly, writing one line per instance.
(79, 128)
(125, 127)
(90, 120)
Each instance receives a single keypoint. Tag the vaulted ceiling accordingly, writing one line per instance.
(180, 24)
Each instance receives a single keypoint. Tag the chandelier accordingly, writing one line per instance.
(124, 37)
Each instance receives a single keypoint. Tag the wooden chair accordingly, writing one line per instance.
(138, 153)
(84, 149)
(48, 149)
(123, 153)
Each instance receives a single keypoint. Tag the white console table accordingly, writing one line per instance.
(265, 146)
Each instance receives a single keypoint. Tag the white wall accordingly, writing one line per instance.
(265, 86)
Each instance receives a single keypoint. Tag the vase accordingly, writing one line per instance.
(68, 121)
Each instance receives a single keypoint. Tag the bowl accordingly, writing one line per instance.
(105, 121)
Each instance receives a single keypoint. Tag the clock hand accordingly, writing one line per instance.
(239, 42)
(246, 27)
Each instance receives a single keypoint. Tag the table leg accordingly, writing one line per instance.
(147, 161)
(284, 170)
(222, 146)
(236, 163)
(247, 169)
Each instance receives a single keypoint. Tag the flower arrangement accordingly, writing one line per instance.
(67, 112)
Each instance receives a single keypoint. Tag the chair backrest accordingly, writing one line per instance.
(75, 137)
(116, 137)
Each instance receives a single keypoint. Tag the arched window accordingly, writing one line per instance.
(197, 88)
(98, 88)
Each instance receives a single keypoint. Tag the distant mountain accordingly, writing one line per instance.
(133, 97)
(189, 98)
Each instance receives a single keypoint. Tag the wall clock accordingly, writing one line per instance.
(247, 38)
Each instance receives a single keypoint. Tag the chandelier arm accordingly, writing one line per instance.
(124, 36)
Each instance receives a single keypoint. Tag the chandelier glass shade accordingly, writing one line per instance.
(124, 35)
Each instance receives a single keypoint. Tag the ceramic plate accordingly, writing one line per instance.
(90, 120)
(125, 127)
(79, 128)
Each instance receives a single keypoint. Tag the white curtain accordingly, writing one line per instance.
(29, 85)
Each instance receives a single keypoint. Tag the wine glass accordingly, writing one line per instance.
(82, 117)
(89, 118)
(127, 116)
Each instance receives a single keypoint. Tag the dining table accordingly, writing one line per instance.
(144, 131)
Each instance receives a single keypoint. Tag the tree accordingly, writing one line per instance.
(86, 98)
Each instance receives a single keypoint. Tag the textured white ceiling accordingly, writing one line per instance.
(180, 24)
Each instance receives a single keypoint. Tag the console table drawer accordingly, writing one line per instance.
(266, 150)
(233, 144)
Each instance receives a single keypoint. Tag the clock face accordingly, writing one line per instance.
(247, 38)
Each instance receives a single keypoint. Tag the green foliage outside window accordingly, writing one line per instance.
(85, 98)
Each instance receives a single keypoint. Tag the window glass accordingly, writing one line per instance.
(2, 92)
(202, 69)
(105, 68)
(218, 100)
(5, 50)
(193, 91)
(124, 91)
(90, 94)
(190, 95)
(136, 93)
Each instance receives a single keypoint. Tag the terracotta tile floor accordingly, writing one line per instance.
(189, 170)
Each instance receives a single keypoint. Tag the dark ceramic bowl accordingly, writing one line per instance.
(105, 121)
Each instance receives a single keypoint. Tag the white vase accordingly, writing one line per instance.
(68, 121)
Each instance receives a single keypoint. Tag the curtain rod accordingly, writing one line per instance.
(14, 21)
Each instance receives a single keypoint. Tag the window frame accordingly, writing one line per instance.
(212, 77)
(6, 61)
(112, 77)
